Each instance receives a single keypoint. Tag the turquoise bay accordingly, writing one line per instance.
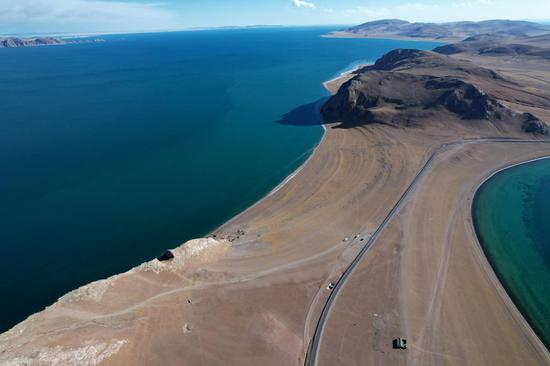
(512, 218)
(112, 152)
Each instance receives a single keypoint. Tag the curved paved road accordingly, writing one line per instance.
(311, 359)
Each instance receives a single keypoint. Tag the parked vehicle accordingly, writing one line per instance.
(400, 343)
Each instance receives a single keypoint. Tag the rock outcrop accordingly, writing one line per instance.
(404, 86)
(463, 99)
(532, 124)
(14, 42)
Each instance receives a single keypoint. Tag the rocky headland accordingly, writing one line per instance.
(408, 87)
(14, 42)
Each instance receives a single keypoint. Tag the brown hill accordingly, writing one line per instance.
(447, 31)
(408, 87)
(494, 45)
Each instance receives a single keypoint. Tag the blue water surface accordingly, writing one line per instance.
(512, 218)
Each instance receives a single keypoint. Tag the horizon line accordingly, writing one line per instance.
(229, 27)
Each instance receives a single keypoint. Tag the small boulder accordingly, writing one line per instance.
(532, 124)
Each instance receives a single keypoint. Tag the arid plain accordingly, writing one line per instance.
(252, 293)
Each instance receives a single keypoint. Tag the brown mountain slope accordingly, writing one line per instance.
(445, 31)
(409, 87)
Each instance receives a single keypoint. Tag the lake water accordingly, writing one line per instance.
(512, 217)
(112, 152)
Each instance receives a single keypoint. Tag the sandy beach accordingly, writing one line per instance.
(252, 292)
(332, 85)
(344, 34)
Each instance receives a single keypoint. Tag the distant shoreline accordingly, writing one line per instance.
(155, 31)
(342, 34)
(16, 42)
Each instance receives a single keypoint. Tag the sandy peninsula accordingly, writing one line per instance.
(253, 292)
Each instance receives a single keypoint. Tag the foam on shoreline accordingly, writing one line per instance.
(344, 74)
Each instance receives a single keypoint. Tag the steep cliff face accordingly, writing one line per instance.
(409, 96)
(406, 87)
(403, 81)
(465, 100)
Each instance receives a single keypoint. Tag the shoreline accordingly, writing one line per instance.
(212, 233)
(278, 187)
(345, 73)
(498, 281)
(342, 78)
(338, 81)
(289, 177)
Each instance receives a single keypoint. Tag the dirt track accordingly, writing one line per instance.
(427, 279)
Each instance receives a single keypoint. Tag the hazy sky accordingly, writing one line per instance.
(97, 16)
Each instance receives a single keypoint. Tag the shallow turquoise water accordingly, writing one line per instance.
(112, 152)
(512, 217)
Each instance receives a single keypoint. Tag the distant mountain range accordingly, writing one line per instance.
(500, 45)
(445, 31)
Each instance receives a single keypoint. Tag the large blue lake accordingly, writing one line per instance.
(112, 152)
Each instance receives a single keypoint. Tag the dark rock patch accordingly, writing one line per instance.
(166, 256)
(532, 124)
(463, 99)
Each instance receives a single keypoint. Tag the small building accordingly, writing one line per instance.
(400, 343)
